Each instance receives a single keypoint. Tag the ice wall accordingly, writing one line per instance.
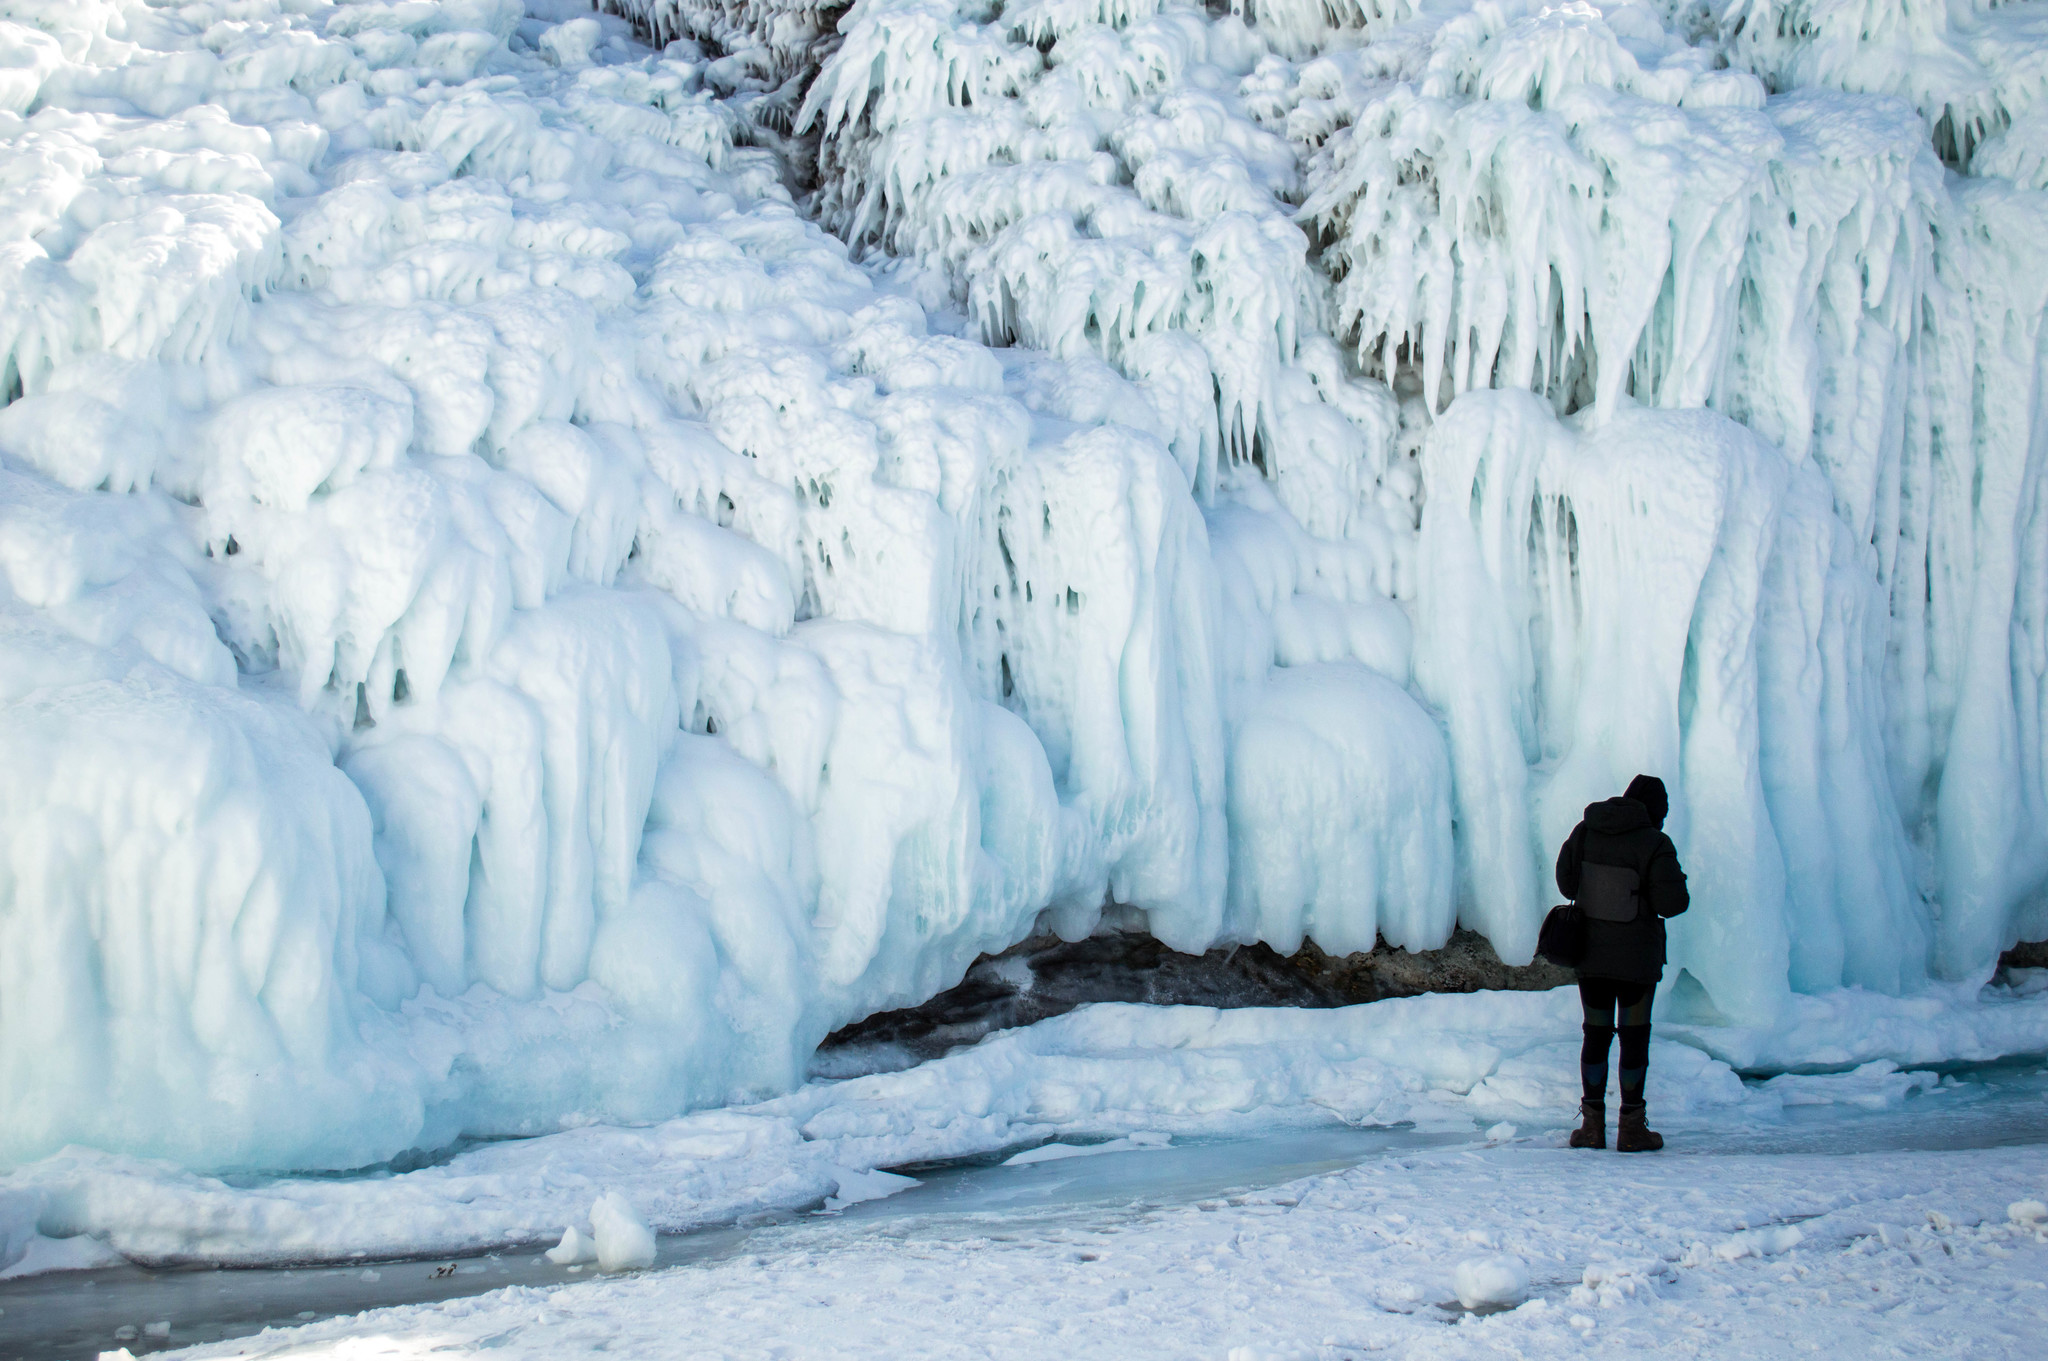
(1806, 612)
(506, 625)
(509, 621)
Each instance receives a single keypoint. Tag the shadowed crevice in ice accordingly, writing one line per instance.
(1045, 976)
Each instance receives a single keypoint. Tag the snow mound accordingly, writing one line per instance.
(1495, 1282)
(1766, 1242)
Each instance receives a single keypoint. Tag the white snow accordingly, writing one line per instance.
(509, 626)
(1711, 1252)
(1759, 1242)
(1499, 1281)
(1106, 1078)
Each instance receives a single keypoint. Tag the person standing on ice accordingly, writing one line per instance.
(1623, 873)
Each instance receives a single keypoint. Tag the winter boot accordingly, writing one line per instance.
(1592, 1132)
(1635, 1134)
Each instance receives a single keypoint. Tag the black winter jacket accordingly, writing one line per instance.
(1622, 832)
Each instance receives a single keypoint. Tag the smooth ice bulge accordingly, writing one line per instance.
(509, 621)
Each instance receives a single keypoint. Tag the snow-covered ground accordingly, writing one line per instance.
(1452, 1064)
(1736, 1256)
(1759, 1233)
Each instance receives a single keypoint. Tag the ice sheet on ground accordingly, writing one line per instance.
(506, 623)
(1059, 1152)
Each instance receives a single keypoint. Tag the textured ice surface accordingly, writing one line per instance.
(509, 624)
(1818, 622)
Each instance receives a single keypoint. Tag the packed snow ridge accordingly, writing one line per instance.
(510, 623)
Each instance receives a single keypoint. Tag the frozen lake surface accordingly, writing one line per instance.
(76, 1314)
(79, 1314)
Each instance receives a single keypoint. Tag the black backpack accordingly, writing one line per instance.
(1607, 893)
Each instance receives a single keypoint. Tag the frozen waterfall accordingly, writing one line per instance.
(548, 559)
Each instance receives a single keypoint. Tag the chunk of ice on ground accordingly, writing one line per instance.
(575, 1248)
(1768, 1241)
(856, 1186)
(1498, 1280)
(623, 1240)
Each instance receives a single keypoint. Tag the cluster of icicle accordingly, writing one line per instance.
(504, 625)
(1765, 518)
(503, 622)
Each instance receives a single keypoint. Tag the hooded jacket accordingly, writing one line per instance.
(1627, 832)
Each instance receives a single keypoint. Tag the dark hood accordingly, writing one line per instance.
(1648, 791)
(1612, 817)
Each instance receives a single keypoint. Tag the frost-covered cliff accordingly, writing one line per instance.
(511, 619)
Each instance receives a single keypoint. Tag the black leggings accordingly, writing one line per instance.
(1603, 999)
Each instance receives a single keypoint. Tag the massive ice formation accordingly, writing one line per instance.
(1824, 632)
(509, 623)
